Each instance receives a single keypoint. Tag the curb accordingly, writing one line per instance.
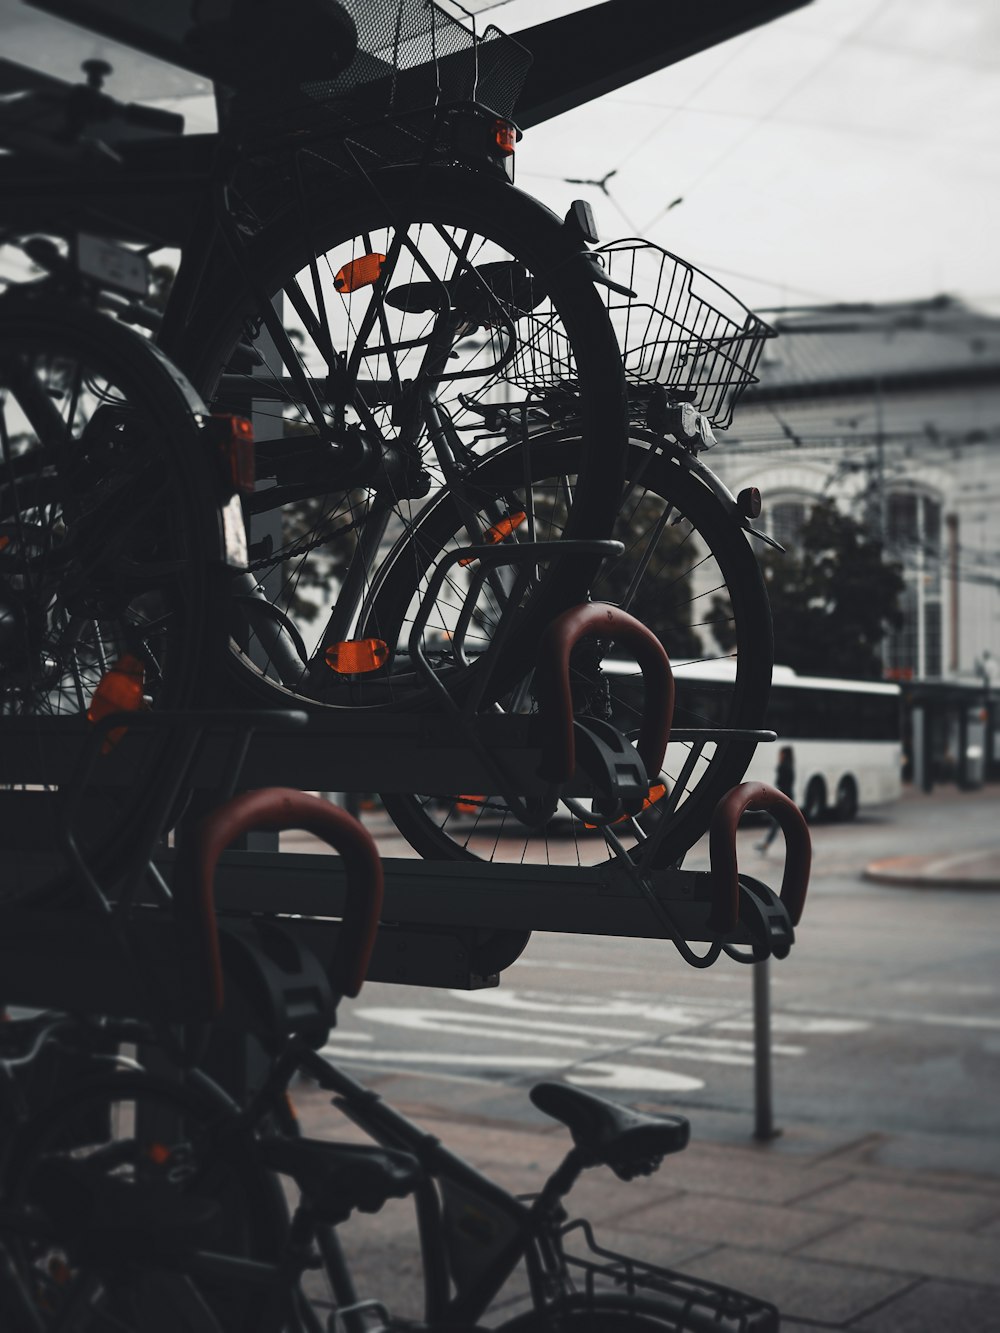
(965, 870)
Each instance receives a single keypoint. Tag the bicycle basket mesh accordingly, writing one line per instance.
(680, 329)
(412, 54)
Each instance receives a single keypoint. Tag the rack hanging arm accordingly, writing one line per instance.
(750, 796)
(554, 695)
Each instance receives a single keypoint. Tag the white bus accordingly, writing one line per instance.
(844, 734)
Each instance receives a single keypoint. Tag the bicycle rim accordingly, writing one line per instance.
(109, 528)
(689, 573)
(535, 345)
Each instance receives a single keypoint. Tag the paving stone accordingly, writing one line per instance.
(906, 1203)
(726, 1221)
(800, 1288)
(936, 1307)
(749, 1172)
(918, 1250)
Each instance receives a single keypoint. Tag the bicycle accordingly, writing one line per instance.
(208, 1230)
(117, 520)
(140, 1199)
(537, 471)
(380, 418)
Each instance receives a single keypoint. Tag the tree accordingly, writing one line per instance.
(834, 598)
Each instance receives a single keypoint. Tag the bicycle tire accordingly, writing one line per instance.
(702, 547)
(145, 1132)
(428, 206)
(615, 1312)
(110, 544)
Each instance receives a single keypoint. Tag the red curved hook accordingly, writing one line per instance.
(722, 851)
(275, 809)
(555, 701)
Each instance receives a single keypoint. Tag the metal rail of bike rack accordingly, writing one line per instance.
(444, 923)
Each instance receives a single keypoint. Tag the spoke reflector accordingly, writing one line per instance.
(498, 532)
(361, 272)
(353, 656)
(506, 136)
(470, 805)
(656, 793)
(118, 691)
(236, 447)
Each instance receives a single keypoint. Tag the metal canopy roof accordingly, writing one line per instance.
(577, 57)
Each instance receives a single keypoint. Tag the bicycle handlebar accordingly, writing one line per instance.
(722, 851)
(275, 809)
(554, 695)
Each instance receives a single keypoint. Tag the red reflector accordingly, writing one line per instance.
(118, 691)
(355, 656)
(236, 447)
(505, 135)
(158, 1153)
(359, 273)
(469, 805)
(498, 532)
(656, 793)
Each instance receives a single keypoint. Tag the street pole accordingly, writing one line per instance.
(763, 1129)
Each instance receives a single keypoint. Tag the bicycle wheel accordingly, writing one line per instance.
(110, 545)
(449, 312)
(118, 1191)
(689, 573)
(620, 1313)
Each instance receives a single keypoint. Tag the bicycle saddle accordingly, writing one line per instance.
(336, 1178)
(474, 295)
(606, 1134)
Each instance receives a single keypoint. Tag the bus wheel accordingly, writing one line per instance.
(847, 799)
(814, 806)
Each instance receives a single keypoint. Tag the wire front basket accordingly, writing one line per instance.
(682, 329)
(413, 55)
(413, 62)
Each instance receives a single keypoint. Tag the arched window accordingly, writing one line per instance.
(784, 518)
(913, 531)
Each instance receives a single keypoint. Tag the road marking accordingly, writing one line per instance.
(683, 1015)
(827, 1027)
(597, 1073)
(390, 1058)
(461, 1025)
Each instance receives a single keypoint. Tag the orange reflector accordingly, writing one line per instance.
(506, 136)
(4, 542)
(359, 273)
(236, 447)
(158, 1153)
(59, 1271)
(469, 805)
(498, 532)
(118, 691)
(656, 793)
(354, 656)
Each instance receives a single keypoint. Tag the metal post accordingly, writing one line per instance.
(763, 1128)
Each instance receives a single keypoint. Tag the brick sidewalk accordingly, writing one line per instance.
(830, 1231)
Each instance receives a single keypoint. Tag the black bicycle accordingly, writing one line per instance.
(429, 363)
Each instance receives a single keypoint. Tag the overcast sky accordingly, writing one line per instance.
(846, 152)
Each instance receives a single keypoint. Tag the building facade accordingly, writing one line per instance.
(893, 412)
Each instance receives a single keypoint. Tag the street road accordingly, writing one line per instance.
(886, 1016)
